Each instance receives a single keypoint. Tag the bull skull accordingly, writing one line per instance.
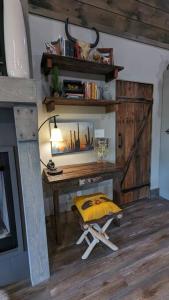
(82, 48)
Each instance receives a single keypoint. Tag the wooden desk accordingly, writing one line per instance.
(82, 176)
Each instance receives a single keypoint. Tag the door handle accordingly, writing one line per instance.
(167, 131)
(120, 143)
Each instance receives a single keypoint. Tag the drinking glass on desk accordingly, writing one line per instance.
(101, 146)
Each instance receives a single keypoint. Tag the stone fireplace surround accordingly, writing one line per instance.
(20, 95)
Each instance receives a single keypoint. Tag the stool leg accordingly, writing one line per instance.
(87, 240)
(106, 225)
(104, 228)
(100, 230)
(100, 237)
(82, 237)
(90, 248)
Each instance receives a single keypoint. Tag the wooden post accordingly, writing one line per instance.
(117, 189)
(57, 217)
(34, 214)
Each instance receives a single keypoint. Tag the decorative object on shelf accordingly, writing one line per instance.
(57, 46)
(50, 48)
(60, 47)
(54, 47)
(73, 89)
(56, 86)
(82, 49)
(16, 49)
(101, 144)
(106, 55)
(76, 137)
(68, 48)
(102, 56)
(55, 138)
(109, 90)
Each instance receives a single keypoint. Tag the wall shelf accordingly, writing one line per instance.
(51, 102)
(76, 65)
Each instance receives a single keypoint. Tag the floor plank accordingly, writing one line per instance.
(139, 270)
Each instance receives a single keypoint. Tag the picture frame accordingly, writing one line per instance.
(78, 136)
(103, 56)
(106, 55)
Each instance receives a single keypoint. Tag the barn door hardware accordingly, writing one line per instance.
(120, 141)
(136, 187)
(167, 131)
(123, 99)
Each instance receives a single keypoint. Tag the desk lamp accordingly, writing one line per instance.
(56, 137)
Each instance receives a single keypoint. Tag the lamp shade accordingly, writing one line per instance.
(56, 135)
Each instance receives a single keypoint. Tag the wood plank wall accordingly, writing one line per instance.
(140, 20)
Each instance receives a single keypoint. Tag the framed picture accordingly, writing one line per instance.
(77, 136)
(102, 55)
(106, 55)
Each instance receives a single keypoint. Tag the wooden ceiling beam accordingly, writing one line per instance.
(129, 19)
(134, 10)
(159, 4)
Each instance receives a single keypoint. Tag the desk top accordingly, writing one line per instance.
(79, 171)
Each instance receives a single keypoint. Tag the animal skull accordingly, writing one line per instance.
(82, 48)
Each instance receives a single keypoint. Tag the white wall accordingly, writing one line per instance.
(143, 63)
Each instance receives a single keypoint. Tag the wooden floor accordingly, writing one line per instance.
(139, 270)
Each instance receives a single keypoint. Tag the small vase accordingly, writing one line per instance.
(16, 48)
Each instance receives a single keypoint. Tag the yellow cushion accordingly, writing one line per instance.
(95, 206)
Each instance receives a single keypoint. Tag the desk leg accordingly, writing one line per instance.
(117, 190)
(57, 217)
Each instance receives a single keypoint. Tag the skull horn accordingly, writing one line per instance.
(72, 39)
(97, 38)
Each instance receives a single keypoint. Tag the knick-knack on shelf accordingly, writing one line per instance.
(56, 88)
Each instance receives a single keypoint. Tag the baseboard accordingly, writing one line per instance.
(155, 193)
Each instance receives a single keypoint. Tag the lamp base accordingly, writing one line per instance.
(52, 170)
(55, 172)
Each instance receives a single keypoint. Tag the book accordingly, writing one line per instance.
(74, 96)
(67, 48)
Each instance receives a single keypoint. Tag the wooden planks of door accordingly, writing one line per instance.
(133, 138)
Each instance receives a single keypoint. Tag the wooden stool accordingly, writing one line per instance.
(96, 227)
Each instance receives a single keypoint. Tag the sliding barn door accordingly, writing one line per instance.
(133, 138)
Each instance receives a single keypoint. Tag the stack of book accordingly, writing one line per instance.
(91, 90)
(67, 48)
(74, 89)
